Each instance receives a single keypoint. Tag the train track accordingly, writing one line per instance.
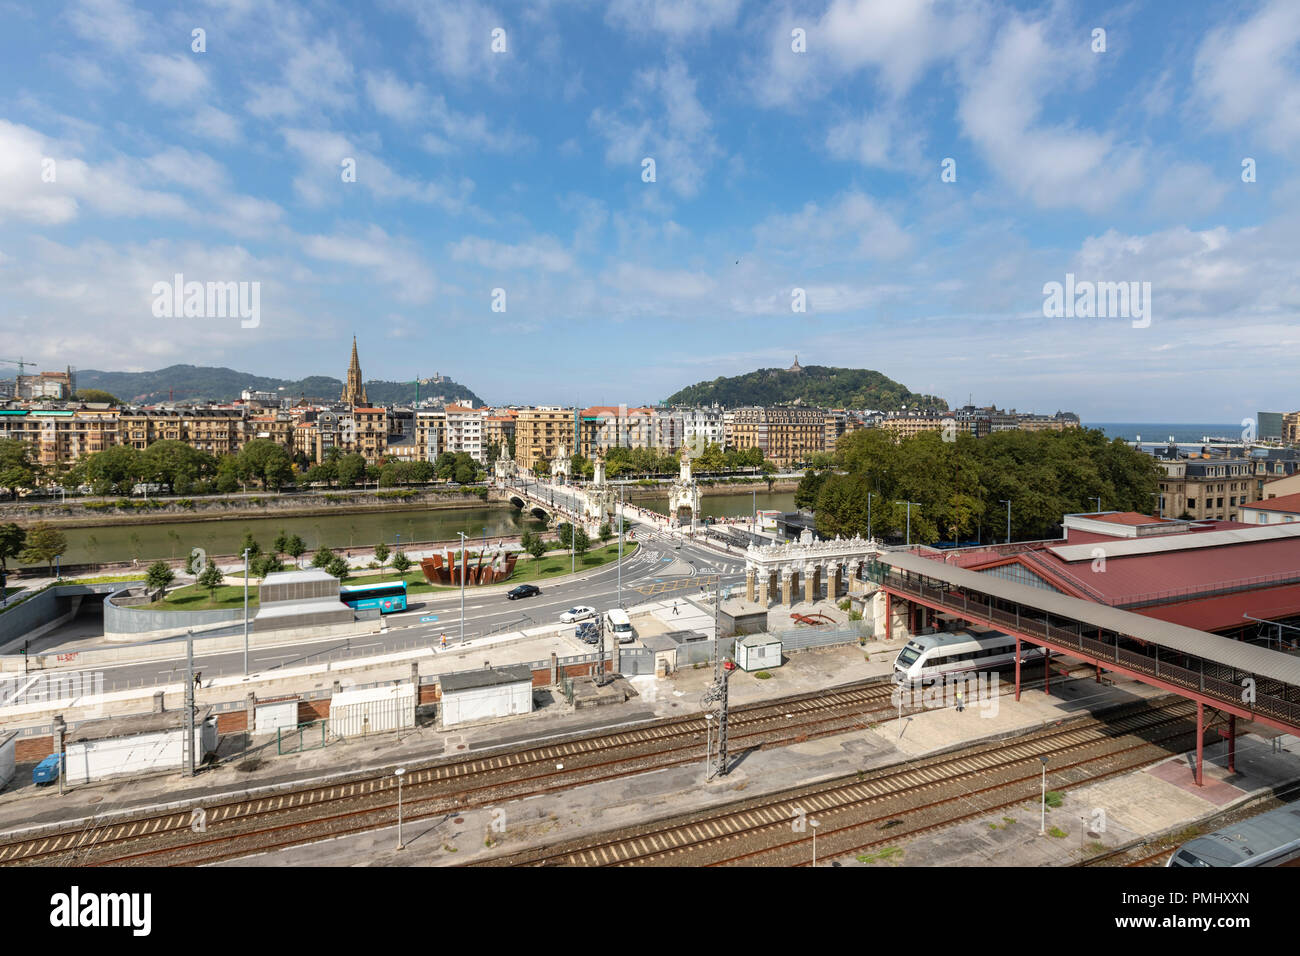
(368, 801)
(883, 806)
(232, 828)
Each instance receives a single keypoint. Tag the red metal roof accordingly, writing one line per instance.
(1287, 503)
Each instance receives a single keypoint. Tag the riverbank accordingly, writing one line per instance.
(108, 512)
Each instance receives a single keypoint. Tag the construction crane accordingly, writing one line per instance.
(19, 362)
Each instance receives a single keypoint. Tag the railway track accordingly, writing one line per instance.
(889, 804)
(232, 828)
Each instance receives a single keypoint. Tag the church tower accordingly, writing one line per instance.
(354, 390)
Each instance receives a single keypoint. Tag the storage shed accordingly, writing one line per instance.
(7, 743)
(485, 694)
(756, 652)
(144, 743)
(355, 713)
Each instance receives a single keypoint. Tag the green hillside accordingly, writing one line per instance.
(204, 383)
(817, 385)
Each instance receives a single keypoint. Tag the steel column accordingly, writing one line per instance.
(1232, 743)
(1200, 743)
(889, 616)
(1017, 667)
(1047, 669)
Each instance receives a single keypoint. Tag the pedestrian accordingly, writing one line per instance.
(198, 679)
(961, 704)
(444, 640)
(675, 611)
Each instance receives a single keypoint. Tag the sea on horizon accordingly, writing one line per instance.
(1160, 432)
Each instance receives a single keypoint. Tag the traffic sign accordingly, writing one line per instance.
(428, 619)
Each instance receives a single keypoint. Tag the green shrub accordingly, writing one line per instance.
(1054, 799)
(762, 675)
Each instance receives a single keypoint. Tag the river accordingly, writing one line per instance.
(148, 542)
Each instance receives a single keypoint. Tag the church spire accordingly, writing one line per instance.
(354, 390)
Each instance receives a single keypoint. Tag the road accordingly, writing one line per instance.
(656, 562)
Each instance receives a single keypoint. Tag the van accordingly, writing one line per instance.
(620, 625)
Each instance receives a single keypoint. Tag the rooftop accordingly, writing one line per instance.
(1286, 503)
(489, 677)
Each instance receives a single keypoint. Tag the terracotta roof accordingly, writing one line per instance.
(1126, 517)
(1287, 503)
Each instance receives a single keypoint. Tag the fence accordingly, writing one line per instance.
(293, 740)
(802, 638)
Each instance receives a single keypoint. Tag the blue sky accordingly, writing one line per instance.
(776, 170)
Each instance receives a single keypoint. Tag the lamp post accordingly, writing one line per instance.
(814, 824)
(1098, 500)
(1007, 502)
(1042, 817)
(870, 494)
(620, 545)
(909, 516)
(462, 586)
(246, 550)
(398, 774)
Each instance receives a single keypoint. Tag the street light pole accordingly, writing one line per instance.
(620, 545)
(909, 516)
(869, 495)
(1007, 502)
(814, 824)
(1098, 500)
(462, 586)
(398, 774)
(246, 550)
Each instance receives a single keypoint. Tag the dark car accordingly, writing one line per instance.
(587, 633)
(523, 591)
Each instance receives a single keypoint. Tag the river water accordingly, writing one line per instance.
(147, 542)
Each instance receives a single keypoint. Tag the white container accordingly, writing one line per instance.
(355, 713)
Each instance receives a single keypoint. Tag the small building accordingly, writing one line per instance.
(355, 713)
(664, 649)
(756, 652)
(144, 743)
(300, 599)
(486, 694)
(7, 744)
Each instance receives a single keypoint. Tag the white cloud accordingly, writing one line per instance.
(211, 123)
(880, 139)
(678, 19)
(544, 253)
(172, 80)
(459, 34)
(116, 24)
(1247, 76)
(851, 226)
(317, 75)
(393, 262)
(411, 104)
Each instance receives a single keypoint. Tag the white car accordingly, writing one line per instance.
(579, 613)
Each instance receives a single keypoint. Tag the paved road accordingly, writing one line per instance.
(656, 562)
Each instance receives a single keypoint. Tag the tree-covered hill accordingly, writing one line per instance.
(822, 386)
(203, 383)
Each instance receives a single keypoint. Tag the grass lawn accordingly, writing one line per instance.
(108, 579)
(195, 598)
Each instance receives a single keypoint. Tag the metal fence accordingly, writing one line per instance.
(309, 736)
(802, 638)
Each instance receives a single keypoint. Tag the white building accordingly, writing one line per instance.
(464, 431)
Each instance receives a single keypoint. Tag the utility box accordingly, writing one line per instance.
(756, 652)
(486, 694)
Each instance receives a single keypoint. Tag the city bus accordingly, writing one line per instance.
(387, 597)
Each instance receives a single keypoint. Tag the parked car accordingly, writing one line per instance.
(47, 771)
(523, 591)
(579, 613)
(588, 633)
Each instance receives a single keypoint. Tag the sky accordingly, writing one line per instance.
(559, 201)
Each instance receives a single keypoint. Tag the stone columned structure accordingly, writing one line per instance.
(684, 498)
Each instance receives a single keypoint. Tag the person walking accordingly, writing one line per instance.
(961, 704)
(198, 679)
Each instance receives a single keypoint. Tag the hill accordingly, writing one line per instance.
(205, 383)
(818, 385)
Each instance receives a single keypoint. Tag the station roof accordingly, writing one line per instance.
(1244, 657)
(489, 677)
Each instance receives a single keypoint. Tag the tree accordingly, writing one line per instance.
(12, 541)
(322, 558)
(401, 562)
(350, 469)
(211, 578)
(159, 576)
(174, 464)
(265, 564)
(44, 543)
(194, 563)
(250, 545)
(295, 547)
(17, 469)
(580, 540)
(604, 533)
(536, 547)
(381, 553)
(338, 568)
(268, 462)
(564, 531)
(281, 543)
(97, 396)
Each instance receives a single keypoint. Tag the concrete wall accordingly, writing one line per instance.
(486, 703)
(97, 759)
(46, 610)
(129, 620)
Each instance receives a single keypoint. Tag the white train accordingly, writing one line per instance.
(930, 656)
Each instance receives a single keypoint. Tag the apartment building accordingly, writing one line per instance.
(217, 431)
(787, 436)
(499, 428)
(603, 427)
(366, 433)
(1206, 488)
(59, 436)
(903, 425)
(543, 432)
(465, 431)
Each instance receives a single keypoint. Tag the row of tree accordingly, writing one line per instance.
(40, 544)
(958, 489)
(184, 470)
(650, 461)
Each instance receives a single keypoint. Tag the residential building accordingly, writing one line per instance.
(603, 427)
(218, 431)
(430, 433)
(60, 436)
(366, 433)
(1283, 510)
(1291, 428)
(1205, 488)
(465, 431)
(542, 433)
(786, 435)
(1269, 426)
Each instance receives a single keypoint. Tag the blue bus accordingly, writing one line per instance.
(388, 597)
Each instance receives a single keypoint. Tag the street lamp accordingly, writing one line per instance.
(246, 550)
(1007, 502)
(462, 585)
(1098, 500)
(869, 496)
(1042, 821)
(398, 774)
(814, 824)
(909, 516)
(620, 545)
